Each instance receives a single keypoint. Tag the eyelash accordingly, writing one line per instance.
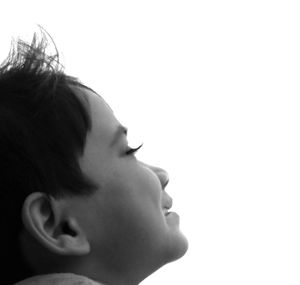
(133, 150)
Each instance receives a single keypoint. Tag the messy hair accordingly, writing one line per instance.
(43, 128)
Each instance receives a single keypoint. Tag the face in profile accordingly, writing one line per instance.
(127, 221)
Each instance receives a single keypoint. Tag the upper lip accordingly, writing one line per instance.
(167, 205)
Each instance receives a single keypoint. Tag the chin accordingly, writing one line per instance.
(177, 248)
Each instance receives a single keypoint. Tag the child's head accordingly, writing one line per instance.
(73, 196)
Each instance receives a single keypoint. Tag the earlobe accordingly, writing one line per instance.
(47, 220)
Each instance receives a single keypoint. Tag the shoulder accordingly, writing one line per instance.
(58, 279)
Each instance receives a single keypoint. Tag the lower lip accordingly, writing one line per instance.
(172, 215)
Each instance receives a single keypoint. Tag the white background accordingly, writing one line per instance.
(212, 89)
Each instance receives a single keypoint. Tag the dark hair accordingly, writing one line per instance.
(43, 128)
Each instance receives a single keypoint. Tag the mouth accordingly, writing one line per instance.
(171, 217)
(167, 204)
(166, 211)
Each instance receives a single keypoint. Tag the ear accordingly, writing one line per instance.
(48, 221)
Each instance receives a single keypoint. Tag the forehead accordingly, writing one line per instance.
(103, 120)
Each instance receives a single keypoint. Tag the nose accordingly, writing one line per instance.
(161, 174)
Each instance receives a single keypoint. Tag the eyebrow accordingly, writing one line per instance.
(121, 130)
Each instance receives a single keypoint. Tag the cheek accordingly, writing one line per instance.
(132, 202)
(136, 191)
(136, 183)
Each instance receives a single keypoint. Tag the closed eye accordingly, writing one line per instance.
(131, 151)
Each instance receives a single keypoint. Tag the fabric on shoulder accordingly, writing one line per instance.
(58, 279)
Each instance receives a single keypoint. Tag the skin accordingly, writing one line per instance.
(120, 234)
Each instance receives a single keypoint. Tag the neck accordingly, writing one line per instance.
(128, 275)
